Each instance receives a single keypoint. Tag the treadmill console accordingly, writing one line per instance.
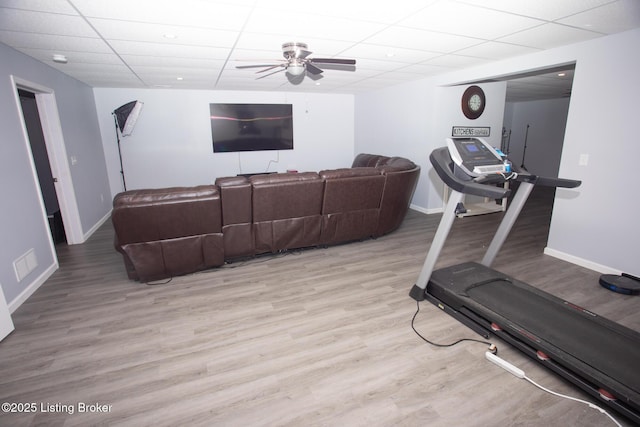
(476, 157)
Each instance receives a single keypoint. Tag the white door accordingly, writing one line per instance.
(6, 324)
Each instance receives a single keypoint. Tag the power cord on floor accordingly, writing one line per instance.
(519, 373)
(159, 283)
(492, 348)
(491, 355)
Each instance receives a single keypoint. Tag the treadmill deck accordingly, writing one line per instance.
(599, 350)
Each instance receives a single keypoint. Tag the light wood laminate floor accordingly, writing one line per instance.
(320, 337)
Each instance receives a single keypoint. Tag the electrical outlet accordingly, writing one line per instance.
(584, 160)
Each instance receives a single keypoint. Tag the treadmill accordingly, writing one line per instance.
(598, 355)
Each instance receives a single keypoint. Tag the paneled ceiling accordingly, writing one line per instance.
(197, 44)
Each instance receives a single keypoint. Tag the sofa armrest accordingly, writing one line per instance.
(368, 160)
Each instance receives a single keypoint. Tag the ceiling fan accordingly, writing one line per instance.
(296, 61)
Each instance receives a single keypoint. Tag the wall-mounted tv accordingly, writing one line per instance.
(251, 127)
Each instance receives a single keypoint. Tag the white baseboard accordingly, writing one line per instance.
(29, 290)
(97, 225)
(426, 211)
(581, 261)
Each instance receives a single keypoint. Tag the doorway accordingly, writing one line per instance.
(60, 174)
(42, 165)
(536, 111)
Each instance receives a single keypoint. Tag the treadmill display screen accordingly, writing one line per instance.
(471, 148)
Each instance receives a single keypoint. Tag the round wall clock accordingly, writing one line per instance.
(473, 102)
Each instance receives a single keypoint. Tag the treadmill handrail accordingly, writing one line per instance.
(552, 182)
(442, 163)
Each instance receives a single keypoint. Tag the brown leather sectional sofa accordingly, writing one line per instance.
(173, 231)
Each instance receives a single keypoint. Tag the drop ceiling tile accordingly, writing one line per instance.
(468, 20)
(190, 13)
(302, 25)
(456, 61)
(395, 54)
(46, 56)
(90, 69)
(412, 38)
(175, 51)
(171, 62)
(425, 69)
(386, 12)
(44, 23)
(18, 40)
(548, 36)
(52, 6)
(177, 74)
(320, 47)
(496, 50)
(158, 33)
(613, 17)
(542, 9)
(211, 34)
(378, 65)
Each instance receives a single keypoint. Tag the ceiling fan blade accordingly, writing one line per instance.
(333, 61)
(273, 72)
(303, 53)
(270, 68)
(313, 69)
(257, 66)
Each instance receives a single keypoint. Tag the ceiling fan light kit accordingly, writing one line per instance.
(297, 62)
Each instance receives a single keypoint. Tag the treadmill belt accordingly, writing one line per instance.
(603, 348)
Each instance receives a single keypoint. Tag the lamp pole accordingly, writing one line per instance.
(124, 183)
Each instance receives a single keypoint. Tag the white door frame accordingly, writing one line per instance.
(54, 141)
(6, 324)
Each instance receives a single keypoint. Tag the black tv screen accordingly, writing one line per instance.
(251, 127)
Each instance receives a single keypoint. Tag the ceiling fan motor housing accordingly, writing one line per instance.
(295, 50)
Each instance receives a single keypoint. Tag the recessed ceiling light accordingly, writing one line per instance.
(60, 59)
(180, 78)
(562, 74)
(169, 36)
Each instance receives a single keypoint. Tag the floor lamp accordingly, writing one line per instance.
(125, 118)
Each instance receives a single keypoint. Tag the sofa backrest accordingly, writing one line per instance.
(168, 232)
(165, 213)
(237, 216)
(286, 210)
(351, 203)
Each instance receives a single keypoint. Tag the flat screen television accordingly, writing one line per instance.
(251, 127)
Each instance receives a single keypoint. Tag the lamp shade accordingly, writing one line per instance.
(127, 115)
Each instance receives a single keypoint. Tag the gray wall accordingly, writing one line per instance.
(594, 225)
(171, 144)
(23, 226)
